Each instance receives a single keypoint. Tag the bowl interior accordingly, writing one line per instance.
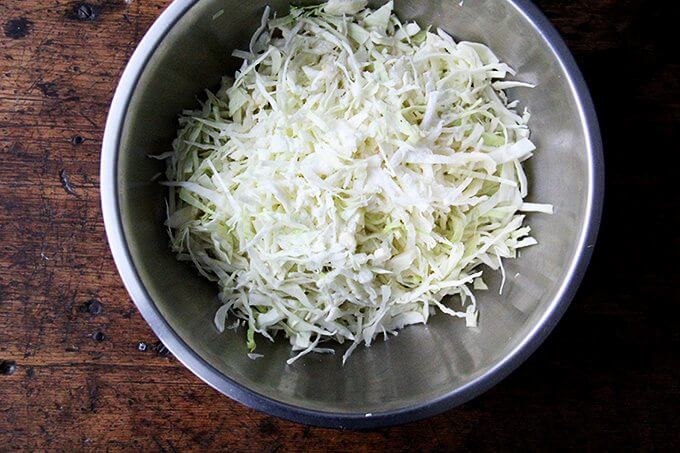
(422, 363)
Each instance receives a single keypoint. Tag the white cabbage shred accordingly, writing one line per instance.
(355, 172)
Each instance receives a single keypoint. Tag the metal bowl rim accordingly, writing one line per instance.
(238, 392)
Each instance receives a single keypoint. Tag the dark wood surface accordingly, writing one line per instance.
(74, 378)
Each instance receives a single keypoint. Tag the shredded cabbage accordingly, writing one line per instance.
(354, 173)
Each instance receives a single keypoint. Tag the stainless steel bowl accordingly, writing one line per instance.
(425, 369)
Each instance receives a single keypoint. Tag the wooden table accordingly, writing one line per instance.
(74, 376)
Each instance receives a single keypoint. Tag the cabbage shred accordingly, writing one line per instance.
(355, 172)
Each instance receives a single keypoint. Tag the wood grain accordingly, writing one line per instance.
(605, 379)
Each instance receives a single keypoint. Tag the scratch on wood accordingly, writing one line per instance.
(88, 119)
(92, 394)
(158, 443)
(66, 184)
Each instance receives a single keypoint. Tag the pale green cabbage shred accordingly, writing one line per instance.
(355, 172)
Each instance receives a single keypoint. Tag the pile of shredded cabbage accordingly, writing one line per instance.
(355, 172)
